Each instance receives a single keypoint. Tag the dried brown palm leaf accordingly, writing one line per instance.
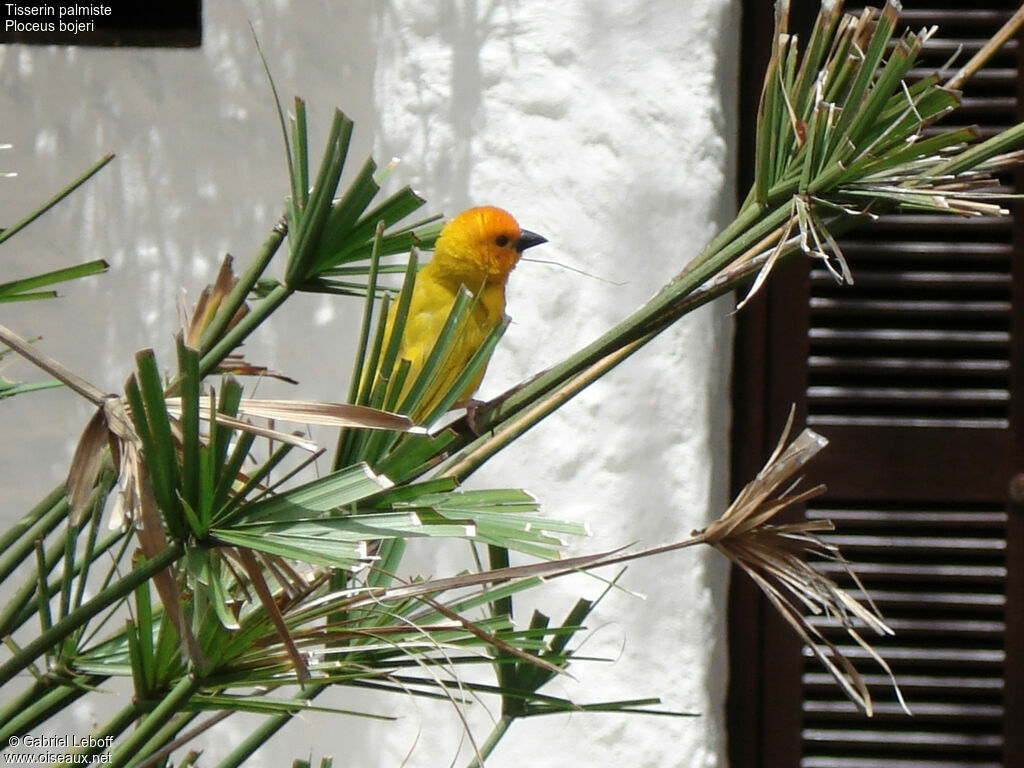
(237, 365)
(110, 427)
(87, 463)
(125, 450)
(210, 300)
(256, 577)
(300, 411)
(195, 323)
(776, 557)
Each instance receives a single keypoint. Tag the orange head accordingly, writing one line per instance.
(483, 244)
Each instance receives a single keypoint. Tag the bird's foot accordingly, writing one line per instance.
(471, 406)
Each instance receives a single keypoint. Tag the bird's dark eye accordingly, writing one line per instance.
(501, 241)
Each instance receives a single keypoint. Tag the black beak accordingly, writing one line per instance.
(528, 239)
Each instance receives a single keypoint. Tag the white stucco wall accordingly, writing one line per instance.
(606, 125)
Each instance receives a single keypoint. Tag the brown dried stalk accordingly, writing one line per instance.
(776, 557)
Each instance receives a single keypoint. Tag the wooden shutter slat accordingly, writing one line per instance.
(924, 601)
(928, 544)
(931, 250)
(932, 518)
(841, 762)
(886, 763)
(907, 422)
(936, 368)
(967, 46)
(911, 287)
(909, 657)
(876, 336)
(887, 224)
(838, 395)
(1001, 75)
(918, 308)
(988, 263)
(922, 712)
(954, 18)
(871, 573)
(903, 739)
(916, 685)
(928, 628)
(1003, 105)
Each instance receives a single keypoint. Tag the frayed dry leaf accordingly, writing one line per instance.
(1001, 163)
(237, 365)
(773, 556)
(110, 427)
(817, 242)
(86, 464)
(813, 239)
(302, 412)
(255, 574)
(123, 512)
(288, 438)
(769, 262)
(751, 507)
(776, 556)
(210, 300)
(195, 323)
(125, 450)
(328, 414)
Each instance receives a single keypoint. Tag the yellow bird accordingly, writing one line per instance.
(476, 250)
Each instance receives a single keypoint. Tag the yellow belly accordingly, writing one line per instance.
(431, 303)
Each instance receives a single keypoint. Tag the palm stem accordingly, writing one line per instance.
(20, 528)
(504, 666)
(92, 171)
(112, 729)
(264, 731)
(17, 706)
(132, 747)
(230, 340)
(213, 332)
(78, 617)
(165, 735)
(18, 611)
(551, 389)
(496, 734)
(25, 545)
(38, 703)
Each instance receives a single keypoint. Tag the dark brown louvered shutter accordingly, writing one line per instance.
(916, 376)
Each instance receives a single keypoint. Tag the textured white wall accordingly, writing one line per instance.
(606, 125)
